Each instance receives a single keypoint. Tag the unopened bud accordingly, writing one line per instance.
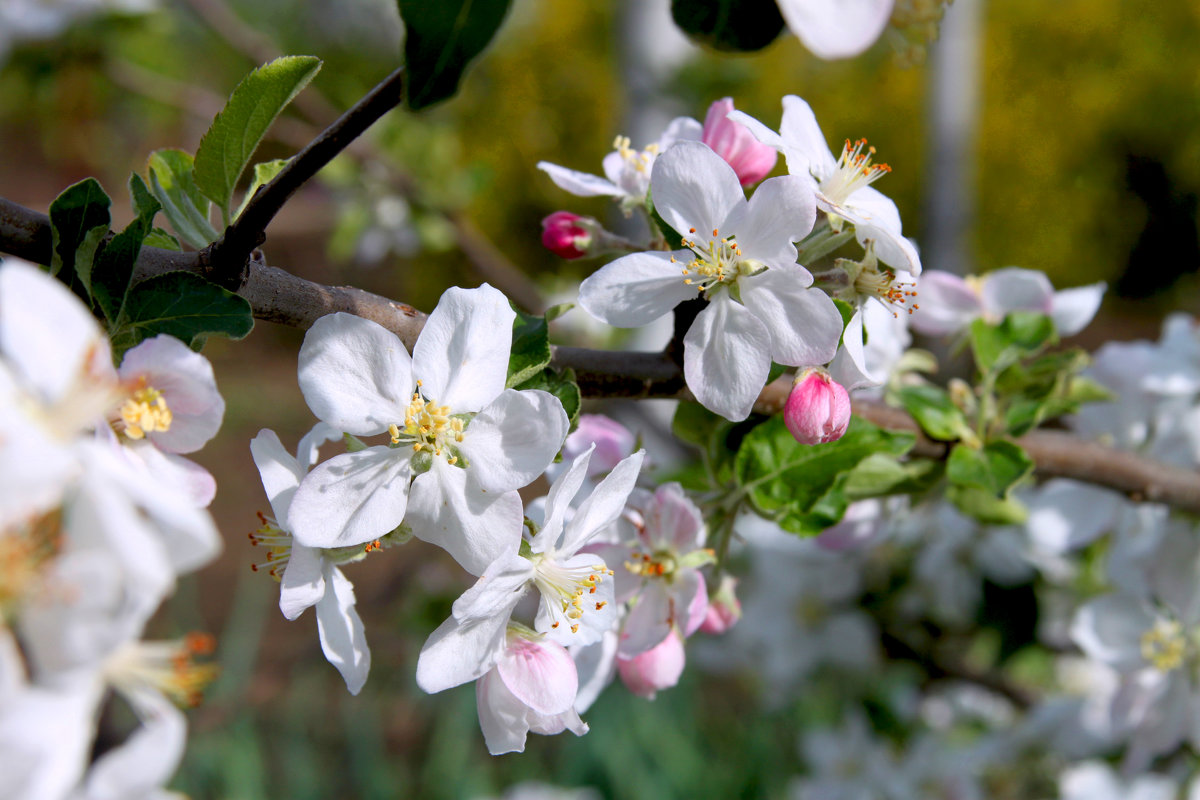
(657, 668)
(724, 609)
(567, 235)
(733, 141)
(818, 409)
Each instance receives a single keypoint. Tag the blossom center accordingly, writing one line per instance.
(566, 590)
(868, 279)
(854, 171)
(639, 161)
(1164, 645)
(145, 411)
(168, 666)
(719, 261)
(661, 564)
(430, 428)
(24, 551)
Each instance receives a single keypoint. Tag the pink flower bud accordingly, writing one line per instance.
(657, 668)
(818, 409)
(724, 609)
(732, 141)
(563, 235)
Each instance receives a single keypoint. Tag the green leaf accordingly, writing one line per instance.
(441, 38)
(113, 272)
(264, 172)
(79, 221)
(161, 239)
(560, 384)
(935, 412)
(236, 131)
(1085, 390)
(986, 507)
(1022, 333)
(187, 209)
(731, 25)
(671, 236)
(711, 433)
(995, 467)
(879, 475)
(803, 486)
(183, 305)
(557, 310)
(530, 348)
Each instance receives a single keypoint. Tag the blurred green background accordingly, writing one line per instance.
(1088, 166)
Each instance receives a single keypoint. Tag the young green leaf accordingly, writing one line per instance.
(187, 209)
(530, 348)
(163, 240)
(79, 221)
(230, 142)
(935, 412)
(440, 41)
(1022, 333)
(264, 171)
(560, 384)
(732, 25)
(183, 305)
(995, 467)
(986, 507)
(113, 272)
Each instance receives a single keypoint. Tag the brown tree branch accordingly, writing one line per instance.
(278, 296)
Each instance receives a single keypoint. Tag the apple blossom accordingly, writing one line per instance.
(741, 259)
(817, 409)
(563, 235)
(750, 159)
(646, 673)
(460, 439)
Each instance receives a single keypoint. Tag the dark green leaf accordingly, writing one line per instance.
(560, 384)
(79, 221)
(737, 25)
(187, 209)
(935, 412)
(995, 467)
(711, 433)
(775, 371)
(802, 485)
(530, 348)
(441, 38)
(183, 305)
(114, 266)
(231, 140)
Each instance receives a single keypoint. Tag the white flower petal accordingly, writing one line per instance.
(457, 653)
(186, 380)
(760, 131)
(580, 184)
(781, 211)
(512, 441)
(636, 289)
(693, 189)
(836, 28)
(948, 304)
(303, 581)
(803, 324)
(461, 356)
(647, 623)
(355, 374)
(1073, 309)
(804, 145)
(726, 358)
(351, 498)
(539, 674)
(497, 591)
(680, 129)
(1110, 629)
(343, 639)
(1016, 289)
(306, 451)
(475, 527)
(603, 505)
(280, 472)
(145, 761)
(558, 502)
(849, 366)
(502, 717)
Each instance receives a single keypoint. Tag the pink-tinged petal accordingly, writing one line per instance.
(693, 189)
(673, 521)
(732, 141)
(143, 764)
(343, 639)
(355, 374)
(580, 184)
(603, 505)
(803, 324)
(475, 527)
(834, 29)
(613, 442)
(655, 669)
(726, 358)
(351, 498)
(804, 145)
(458, 653)
(948, 304)
(758, 130)
(1073, 309)
(512, 441)
(502, 717)
(1110, 629)
(637, 289)
(724, 608)
(186, 380)
(648, 622)
(692, 588)
(1015, 289)
(48, 337)
(539, 674)
(817, 409)
(461, 356)
(193, 480)
(280, 472)
(303, 581)
(781, 211)
(558, 502)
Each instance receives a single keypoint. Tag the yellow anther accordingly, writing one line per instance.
(145, 412)
(1164, 645)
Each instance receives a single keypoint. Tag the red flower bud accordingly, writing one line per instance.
(564, 236)
(818, 409)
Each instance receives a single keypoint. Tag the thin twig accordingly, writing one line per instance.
(278, 296)
(227, 256)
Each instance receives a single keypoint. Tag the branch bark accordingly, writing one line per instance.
(278, 296)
